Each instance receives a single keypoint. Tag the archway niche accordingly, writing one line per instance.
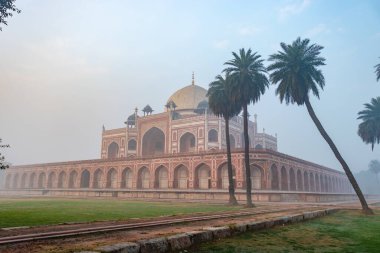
(51, 180)
(274, 178)
(317, 185)
(62, 179)
(113, 150)
(143, 178)
(256, 177)
(153, 142)
(15, 181)
(323, 186)
(327, 187)
(41, 180)
(187, 143)
(126, 178)
(284, 179)
(85, 179)
(32, 180)
(292, 180)
(181, 177)
(212, 135)
(312, 182)
(222, 176)
(232, 142)
(23, 181)
(258, 146)
(299, 181)
(73, 179)
(132, 144)
(161, 178)
(306, 181)
(111, 178)
(203, 177)
(98, 179)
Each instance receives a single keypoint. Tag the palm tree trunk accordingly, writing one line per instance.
(231, 186)
(246, 158)
(349, 174)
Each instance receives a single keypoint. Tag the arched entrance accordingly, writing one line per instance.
(85, 179)
(153, 142)
(132, 145)
(256, 177)
(306, 181)
(32, 180)
(41, 180)
(143, 178)
(113, 150)
(284, 179)
(187, 143)
(51, 180)
(111, 178)
(292, 180)
(312, 182)
(8, 181)
(274, 178)
(62, 179)
(161, 179)
(203, 177)
(299, 181)
(317, 185)
(232, 141)
(98, 179)
(73, 179)
(15, 181)
(212, 135)
(126, 178)
(222, 176)
(181, 177)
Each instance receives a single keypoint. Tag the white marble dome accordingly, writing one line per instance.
(188, 97)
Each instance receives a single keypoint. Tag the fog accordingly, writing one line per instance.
(68, 67)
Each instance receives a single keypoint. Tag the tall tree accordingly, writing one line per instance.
(3, 164)
(374, 167)
(296, 71)
(369, 128)
(6, 9)
(249, 82)
(377, 71)
(221, 104)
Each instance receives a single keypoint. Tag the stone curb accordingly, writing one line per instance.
(185, 240)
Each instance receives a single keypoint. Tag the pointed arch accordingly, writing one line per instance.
(317, 184)
(202, 178)
(62, 179)
(187, 143)
(222, 176)
(306, 181)
(41, 180)
(153, 142)
(85, 179)
(15, 181)
(32, 180)
(212, 135)
(113, 150)
(292, 180)
(232, 141)
(51, 180)
(98, 179)
(299, 181)
(126, 178)
(161, 178)
(111, 178)
(181, 177)
(284, 179)
(143, 178)
(274, 178)
(257, 177)
(73, 179)
(312, 182)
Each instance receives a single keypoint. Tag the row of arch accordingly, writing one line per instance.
(284, 179)
(153, 143)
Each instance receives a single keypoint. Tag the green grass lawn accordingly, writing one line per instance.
(41, 211)
(344, 231)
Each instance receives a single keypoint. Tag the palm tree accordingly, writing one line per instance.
(374, 167)
(249, 82)
(295, 70)
(377, 71)
(221, 105)
(369, 129)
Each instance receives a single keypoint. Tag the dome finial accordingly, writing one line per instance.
(192, 82)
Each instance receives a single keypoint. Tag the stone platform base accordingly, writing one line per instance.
(186, 195)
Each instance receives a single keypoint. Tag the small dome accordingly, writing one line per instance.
(188, 97)
(131, 120)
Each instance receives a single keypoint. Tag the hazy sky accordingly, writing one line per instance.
(68, 67)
